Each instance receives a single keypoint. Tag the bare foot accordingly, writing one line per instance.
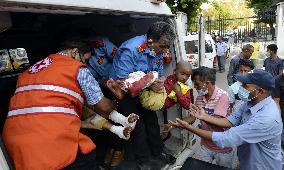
(127, 131)
(115, 88)
(132, 118)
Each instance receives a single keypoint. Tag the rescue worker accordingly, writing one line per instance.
(144, 53)
(103, 52)
(42, 130)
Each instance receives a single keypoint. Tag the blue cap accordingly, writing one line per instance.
(258, 77)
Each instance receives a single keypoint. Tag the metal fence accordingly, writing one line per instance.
(239, 29)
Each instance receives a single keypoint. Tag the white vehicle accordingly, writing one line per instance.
(191, 50)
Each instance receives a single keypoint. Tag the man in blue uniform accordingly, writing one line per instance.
(144, 53)
(103, 52)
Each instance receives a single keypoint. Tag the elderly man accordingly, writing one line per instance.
(246, 53)
(144, 53)
(255, 127)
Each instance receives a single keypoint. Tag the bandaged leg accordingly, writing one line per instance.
(99, 122)
(124, 121)
(118, 130)
(138, 81)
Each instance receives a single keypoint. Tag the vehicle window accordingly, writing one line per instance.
(191, 47)
(11, 59)
(208, 46)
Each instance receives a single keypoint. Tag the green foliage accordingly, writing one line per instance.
(259, 5)
(190, 7)
(265, 13)
(229, 9)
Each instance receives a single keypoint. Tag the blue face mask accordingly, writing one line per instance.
(245, 95)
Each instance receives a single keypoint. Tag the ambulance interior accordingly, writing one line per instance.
(38, 35)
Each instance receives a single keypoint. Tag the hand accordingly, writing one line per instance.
(179, 124)
(127, 131)
(158, 85)
(122, 84)
(197, 112)
(189, 119)
(176, 88)
(132, 118)
(87, 123)
(165, 128)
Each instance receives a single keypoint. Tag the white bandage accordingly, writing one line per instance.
(119, 118)
(98, 121)
(118, 130)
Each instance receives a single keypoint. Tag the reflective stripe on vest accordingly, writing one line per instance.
(47, 109)
(51, 88)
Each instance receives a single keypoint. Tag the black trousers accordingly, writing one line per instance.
(84, 162)
(145, 139)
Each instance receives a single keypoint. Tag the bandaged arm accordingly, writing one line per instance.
(103, 124)
(119, 118)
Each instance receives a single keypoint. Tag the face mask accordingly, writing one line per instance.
(152, 53)
(267, 54)
(246, 95)
(202, 92)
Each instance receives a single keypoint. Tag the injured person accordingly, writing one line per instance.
(123, 131)
(136, 84)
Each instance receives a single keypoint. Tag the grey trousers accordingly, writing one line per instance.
(221, 62)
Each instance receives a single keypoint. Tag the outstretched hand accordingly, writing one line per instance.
(179, 124)
(197, 112)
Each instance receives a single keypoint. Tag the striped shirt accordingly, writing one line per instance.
(217, 105)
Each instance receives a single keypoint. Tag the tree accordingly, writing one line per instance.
(259, 5)
(190, 7)
(265, 12)
(229, 10)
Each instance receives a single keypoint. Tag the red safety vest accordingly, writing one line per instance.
(42, 131)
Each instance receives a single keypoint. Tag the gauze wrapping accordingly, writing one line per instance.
(118, 130)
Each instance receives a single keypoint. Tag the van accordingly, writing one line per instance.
(191, 50)
(33, 27)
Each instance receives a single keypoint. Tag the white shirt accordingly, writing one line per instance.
(221, 48)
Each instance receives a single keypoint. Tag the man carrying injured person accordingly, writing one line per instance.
(144, 53)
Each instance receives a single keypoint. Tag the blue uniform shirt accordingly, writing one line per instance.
(257, 133)
(132, 56)
(100, 64)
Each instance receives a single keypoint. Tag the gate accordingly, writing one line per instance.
(236, 30)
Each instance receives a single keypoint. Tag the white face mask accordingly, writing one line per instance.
(267, 54)
(152, 53)
(203, 91)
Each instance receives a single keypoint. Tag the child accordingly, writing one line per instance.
(176, 88)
